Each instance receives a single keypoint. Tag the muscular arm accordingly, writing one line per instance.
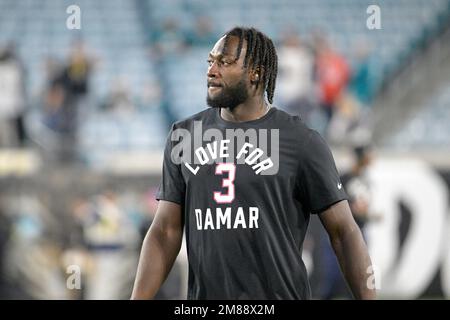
(159, 250)
(350, 248)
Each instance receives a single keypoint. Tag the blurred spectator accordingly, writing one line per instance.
(295, 78)
(352, 108)
(77, 71)
(55, 113)
(332, 73)
(58, 113)
(363, 85)
(345, 120)
(75, 78)
(12, 98)
(358, 187)
(111, 238)
(363, 81)
(66, 94)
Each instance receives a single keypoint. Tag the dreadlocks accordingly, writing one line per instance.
(260, 54)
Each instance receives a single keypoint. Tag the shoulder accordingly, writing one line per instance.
(310, 142)
(296, 127)
(200, 116)
(293, 121)
(316, 149)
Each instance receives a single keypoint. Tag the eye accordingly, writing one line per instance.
(210, 62)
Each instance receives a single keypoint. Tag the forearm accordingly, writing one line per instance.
(159, 251)
(354, 260)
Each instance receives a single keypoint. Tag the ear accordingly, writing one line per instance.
(255, 75)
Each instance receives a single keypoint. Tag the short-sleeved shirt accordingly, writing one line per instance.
(247, 190)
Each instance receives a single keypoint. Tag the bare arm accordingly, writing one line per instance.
(350, 248)
(159, 250)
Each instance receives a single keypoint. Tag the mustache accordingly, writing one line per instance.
(213, 84)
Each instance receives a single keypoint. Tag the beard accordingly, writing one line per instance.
(229, 97)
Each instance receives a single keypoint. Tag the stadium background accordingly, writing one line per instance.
(84, 114)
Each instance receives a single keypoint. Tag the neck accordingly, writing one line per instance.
(247, 111)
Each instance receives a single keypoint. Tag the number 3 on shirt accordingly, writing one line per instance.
(226, 183)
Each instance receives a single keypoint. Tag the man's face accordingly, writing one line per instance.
(227, 77)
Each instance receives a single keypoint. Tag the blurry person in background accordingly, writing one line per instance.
(358, 186)
(58, 114)
(295, 84)
(112, 240)
(78, 71)
(352, 109)
(76, 75)
(12, 98)
(66, 96)
(363, 83)
(332, 74)
(54, 97)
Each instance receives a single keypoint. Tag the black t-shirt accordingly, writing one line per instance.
(247, 190)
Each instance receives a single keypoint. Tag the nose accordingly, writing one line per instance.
(213, 70)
